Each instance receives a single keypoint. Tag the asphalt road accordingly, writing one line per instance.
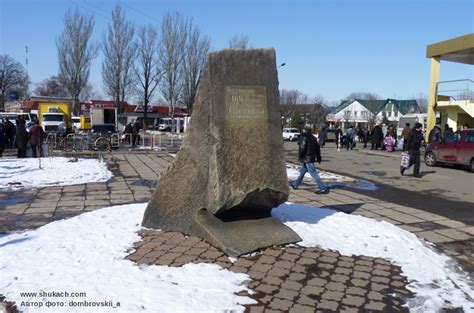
(447, 191)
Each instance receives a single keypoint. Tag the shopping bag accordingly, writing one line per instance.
(405, 160)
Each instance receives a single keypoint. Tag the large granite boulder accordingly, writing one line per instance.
(230, 171)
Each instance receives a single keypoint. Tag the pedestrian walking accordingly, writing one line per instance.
(448, 131)
(366, 136)
(10, 132)
(389, 142)
(36, 137)
(414, 142)
(309, 152)
(322, 136)
(377, 137)
(135, 133)
(338, 138)
(128, 133)
(3, 140)
(21, 138)
(405, 132)
(350, 135)
(435, 134)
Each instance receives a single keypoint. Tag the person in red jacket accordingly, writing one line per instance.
(36, 136)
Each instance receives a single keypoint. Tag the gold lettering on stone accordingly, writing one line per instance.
(246, 102)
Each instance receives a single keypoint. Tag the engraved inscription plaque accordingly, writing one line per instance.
(245, 103)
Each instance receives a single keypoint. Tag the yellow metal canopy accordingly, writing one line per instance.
(460, 49)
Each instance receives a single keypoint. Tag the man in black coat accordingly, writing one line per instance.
(414, 142)
(435, 134)
(309, 152)
(377, 137)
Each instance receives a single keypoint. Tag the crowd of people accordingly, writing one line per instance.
(380, 137)
(15, 135)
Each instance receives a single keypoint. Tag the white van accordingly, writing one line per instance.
(13, 116)
(165, 124)
(76, 122)
(421, 118)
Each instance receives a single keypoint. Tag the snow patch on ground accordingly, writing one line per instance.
(86, 254)
(431, 275)
(55, 171)
(331, 180)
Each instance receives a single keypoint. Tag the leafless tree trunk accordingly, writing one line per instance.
(239, 42)
(173, 33)
(195, 60)
(422, 101)
(75, 53)
(293, 97)
(147, 67)
(12, 78)
(119, 51)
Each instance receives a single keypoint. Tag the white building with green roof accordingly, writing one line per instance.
(365, 113)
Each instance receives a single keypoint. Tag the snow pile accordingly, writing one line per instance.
(56, 171)
(432, 276)
(85, 254)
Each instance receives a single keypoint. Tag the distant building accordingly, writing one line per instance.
(364, 113)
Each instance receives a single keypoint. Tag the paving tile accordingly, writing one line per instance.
(353, 300)
(434, 237)
(298, 308)
(453, 234)
(451, 223)
(287, 294)
(469, 230)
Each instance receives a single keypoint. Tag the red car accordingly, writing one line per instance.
(455, 149)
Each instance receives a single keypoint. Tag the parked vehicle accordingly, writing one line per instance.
(104, 135)
(421, 118)
(102, 116)
(13, 116)
(76, 122)
(331, 134)
(55, 116)
(291, 134)
(455, 149)
(165, 124)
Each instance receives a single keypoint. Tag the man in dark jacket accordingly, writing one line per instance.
(9, 130)
(448, 131)
(21, 138)
(3, 140)
(36, 136)
(309, 152)
(435, 134)
(414, 141)
(377, 137)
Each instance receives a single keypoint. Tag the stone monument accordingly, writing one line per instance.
(230, 171)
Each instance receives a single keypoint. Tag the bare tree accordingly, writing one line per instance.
(173, 34)
(422, 101)
(147, 67)
(13, 77)
(89, 92)
(239, 42)
(51, 87)
(293, 97)
(75, 53)
(194, 61)
(119, 52)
